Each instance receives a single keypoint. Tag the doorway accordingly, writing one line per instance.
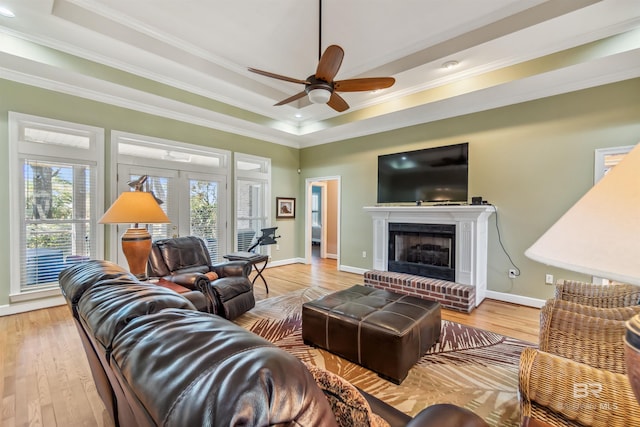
(322, 220)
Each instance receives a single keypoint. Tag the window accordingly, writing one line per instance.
(190, 180)
(315, 207)
(253, 180)
(55, 169)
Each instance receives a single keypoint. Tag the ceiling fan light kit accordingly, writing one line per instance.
(319, 95)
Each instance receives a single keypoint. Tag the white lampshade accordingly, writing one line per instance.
(319, 96)
(600, 234)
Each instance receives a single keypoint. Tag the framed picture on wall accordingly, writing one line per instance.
(285, 207)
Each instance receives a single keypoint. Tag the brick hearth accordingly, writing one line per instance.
(451, 295)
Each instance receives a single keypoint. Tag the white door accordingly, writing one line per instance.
(192, 201)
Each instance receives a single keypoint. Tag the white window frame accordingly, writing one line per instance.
(262, 176)
(177, 148)
(18, 149)
(600, 168)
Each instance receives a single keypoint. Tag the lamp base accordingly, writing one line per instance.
(136, 246)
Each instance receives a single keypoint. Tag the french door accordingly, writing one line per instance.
(194, 202)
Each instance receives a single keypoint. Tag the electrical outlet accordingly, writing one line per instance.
(512, 274)
(364, 254)
(548, 279)
(277, 247)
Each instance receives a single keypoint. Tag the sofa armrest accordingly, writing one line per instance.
(390, 414)
(561, 391)
(232, 268)
(198, 282)
(188, 280)
(446, 415)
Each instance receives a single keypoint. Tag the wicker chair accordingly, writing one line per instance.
(563, 392)
(590, 335)
(577, 377)
(604, 296)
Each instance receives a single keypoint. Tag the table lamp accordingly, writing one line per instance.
(134, 207)
(600, 236)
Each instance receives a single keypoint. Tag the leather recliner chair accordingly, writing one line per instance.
(186, 261)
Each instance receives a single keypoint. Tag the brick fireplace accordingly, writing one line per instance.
(447, 245)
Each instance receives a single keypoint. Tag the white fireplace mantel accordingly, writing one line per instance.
(471, 223)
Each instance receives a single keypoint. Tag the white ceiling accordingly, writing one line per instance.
(508, 51)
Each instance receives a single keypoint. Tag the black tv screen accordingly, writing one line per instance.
(437, 174)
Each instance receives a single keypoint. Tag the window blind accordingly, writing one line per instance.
(57, 232)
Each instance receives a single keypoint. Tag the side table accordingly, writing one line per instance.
(255, 260)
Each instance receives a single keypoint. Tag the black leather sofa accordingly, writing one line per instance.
(156, 360)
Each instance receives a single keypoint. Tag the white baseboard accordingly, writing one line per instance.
(22, 307)
(282, 262)
(355, 270)
(515, 299)
(347, 268)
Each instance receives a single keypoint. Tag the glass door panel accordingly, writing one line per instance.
(205, 213)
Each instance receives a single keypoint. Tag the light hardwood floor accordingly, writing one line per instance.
(45, 378)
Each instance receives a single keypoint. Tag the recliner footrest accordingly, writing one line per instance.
(228, 288)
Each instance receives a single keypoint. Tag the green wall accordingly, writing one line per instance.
(532, 160)
(31, 100)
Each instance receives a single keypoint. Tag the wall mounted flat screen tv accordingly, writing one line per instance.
(437, 175)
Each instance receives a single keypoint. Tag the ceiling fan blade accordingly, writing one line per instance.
(292, 98)
(337, 103)
(278, 76)
(357, 85)
(329, 64)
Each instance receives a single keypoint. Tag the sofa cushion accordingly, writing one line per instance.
(181, 253)
(349, 406)
(105, 309)
(187, 368)
(75, 280)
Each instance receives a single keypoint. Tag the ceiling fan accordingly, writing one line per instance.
(320, 87)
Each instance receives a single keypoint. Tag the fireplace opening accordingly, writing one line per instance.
(423, 249)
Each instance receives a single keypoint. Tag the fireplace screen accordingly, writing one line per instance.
(422, 249)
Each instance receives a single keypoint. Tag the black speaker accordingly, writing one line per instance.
(476, 200)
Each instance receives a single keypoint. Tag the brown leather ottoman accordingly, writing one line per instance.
(380, 330)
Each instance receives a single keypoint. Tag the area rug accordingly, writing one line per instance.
(470, 367)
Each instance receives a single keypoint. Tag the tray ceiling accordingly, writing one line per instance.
(188, 59)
